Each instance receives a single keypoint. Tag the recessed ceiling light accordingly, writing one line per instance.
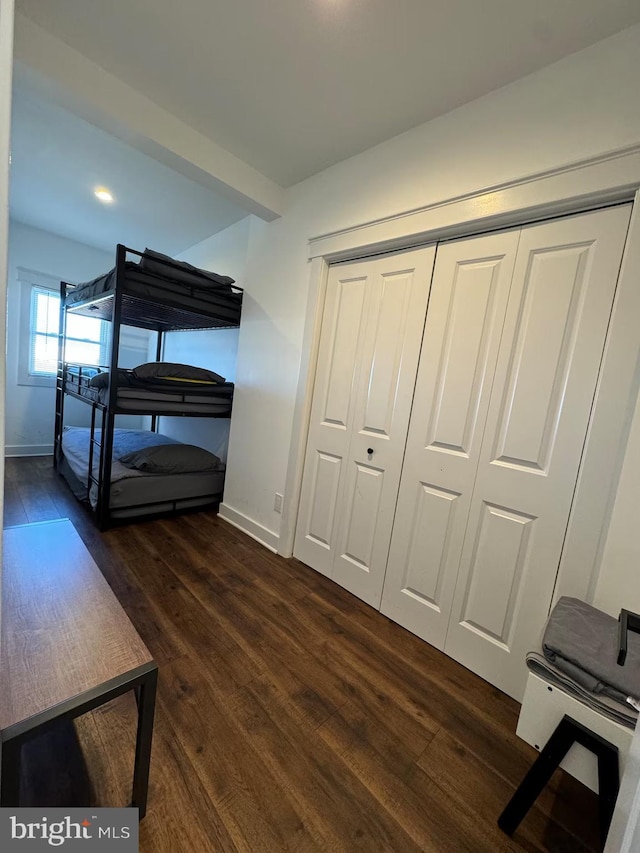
(104, 195)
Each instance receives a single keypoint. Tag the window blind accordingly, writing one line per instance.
(86, 340)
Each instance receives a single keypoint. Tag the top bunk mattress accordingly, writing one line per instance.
(161, 294)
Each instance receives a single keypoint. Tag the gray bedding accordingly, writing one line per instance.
(582, 641)
(182, 271)
(175, 290)
(130, 488)
(579, 655)
(621, 712)
(150, 397)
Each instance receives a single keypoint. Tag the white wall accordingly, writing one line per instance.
(581, 106)
(29, 411)
(224, 253)
(6, 67)
(619, 581)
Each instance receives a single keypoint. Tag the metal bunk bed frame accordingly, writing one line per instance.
(150, 312)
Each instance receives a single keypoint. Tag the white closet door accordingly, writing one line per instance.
(467, 307)
(331, 414)
(547, 369)
(369, 350)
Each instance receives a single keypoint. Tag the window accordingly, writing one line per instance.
(43, 329)
(87, 337)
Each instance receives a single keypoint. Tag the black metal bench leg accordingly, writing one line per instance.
(538, 776)
(608, 787)
(566, 734)
(146, 695)
(10, 775)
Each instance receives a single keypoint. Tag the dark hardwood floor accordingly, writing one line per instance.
(291, 716)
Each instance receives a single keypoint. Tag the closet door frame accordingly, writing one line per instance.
(570, 189)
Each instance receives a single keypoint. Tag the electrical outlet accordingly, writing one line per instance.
(277, 502)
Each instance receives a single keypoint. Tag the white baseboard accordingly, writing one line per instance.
(28, 450)
(256, 531)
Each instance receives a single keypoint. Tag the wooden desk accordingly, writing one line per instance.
(67, 647)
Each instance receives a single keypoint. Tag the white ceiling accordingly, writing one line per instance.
(57, 160)
(293, 86)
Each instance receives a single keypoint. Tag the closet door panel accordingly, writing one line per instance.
(499, 554)
(325, 473)
(337, 378)
(331, 415)
(384, 346)
(362, 506)
(462, 368)
(546, 374)
(429, 543)
(399, 289)
(467, 306)
(543, 350)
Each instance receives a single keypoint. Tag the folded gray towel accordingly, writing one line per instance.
(620, 712)
(582, 642)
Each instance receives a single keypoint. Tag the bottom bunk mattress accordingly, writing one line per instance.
(136, 492)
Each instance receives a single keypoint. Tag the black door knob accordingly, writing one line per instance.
(370, 450)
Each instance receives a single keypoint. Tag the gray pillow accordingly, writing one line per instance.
(101, 380)
(172, 459)
(170, 370)
(154, 262)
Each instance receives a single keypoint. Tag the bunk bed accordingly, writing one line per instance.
(127, 474)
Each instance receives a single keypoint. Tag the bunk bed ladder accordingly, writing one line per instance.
(59, 417)
(93, 443)
(108, 418)
(159, 340)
